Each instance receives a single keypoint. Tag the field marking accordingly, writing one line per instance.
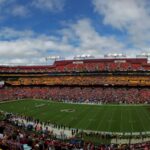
(140, 120)
(98, 104)
(104, 106)
(147, 115)
(92, 104)
(68, 110)
(121, 121)
(111, 120)
(102, 119)
(129, 121)
(79, 122)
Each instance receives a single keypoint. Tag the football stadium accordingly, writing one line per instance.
(74, 74)
(79, 103)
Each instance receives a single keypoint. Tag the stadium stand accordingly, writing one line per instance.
(133, 64)
(16, 136)
(93, 80)
(103, 81)
(79, 94)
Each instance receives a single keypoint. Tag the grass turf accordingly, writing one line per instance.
(110, 118)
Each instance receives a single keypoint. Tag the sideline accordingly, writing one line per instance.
(147, 133)
(77, 103)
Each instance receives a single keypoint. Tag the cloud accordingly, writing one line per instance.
(76, 38)
(88, 41)
(7, 33)
(13, 8)
(20, 10)
(119, 14)
(130, 16)
(49, 5)
(28, 47)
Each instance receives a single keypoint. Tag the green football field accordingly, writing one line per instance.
(110, 118)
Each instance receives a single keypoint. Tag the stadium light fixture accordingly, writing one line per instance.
(53, 58)
(114, 55)
(143, 55)
(83, 56)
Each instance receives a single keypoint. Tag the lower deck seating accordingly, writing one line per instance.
(78, 94)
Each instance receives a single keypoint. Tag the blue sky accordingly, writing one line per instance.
(31, 30)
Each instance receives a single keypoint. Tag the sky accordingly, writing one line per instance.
(31, 30)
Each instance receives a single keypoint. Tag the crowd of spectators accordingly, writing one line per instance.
(15, 136)
(79, 94)
(82, 80)
(73, 67)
